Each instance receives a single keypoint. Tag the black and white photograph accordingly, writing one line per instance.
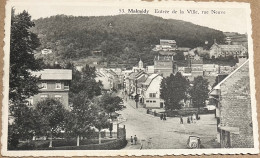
(104, 78)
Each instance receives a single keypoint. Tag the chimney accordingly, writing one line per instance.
(215, 42)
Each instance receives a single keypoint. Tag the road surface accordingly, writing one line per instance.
(154, 133)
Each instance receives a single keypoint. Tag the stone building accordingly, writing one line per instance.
(164, 65)
(233, 109)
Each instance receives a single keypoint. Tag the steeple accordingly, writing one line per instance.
(140, 64)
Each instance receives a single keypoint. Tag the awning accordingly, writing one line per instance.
(234, 130)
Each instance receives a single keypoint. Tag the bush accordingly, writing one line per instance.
(27, 146)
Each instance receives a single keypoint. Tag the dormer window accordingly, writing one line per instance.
(44, 85)
(58, 85)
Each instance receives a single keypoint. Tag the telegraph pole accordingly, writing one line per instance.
(136, 96)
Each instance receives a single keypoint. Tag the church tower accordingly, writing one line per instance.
(140, 64)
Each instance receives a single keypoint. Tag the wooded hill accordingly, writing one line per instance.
(120, 39)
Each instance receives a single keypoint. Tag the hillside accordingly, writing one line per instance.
(118, 39)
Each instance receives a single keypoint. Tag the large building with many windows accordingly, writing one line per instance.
(54, 83)
(218, 50)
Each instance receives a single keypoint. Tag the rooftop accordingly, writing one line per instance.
(230, 47)
(150, 78)
(54, 74)
(217, 87)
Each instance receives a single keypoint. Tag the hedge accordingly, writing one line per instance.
(70, 144)
(40, 144)
(111, 145)
(187, 112)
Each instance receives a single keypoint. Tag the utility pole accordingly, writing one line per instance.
(137, 97)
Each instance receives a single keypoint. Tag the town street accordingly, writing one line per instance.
(169, 134)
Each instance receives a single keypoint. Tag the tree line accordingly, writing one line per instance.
(120, 38)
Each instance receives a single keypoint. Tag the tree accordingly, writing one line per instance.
(81, 117)
(101, 122)
(52, 115)
(23, 43)
(83, 89)
(24, 124)
(110, 103)
(173, 90)
(85, 81)
(199, 91)
(22, 84)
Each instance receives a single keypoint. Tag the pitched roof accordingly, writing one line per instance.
(54, 74)
(231, 47)
(150, 78)
(218, 85)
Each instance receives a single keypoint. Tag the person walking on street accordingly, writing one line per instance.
(188, 120)
(194, 118)
(164, 116)
(135, 140)
(131, 140)
(181, 120)
(161, 116)
(191, 120)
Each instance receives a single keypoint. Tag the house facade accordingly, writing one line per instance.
(218, 50)
(54, 83)
(233, 109)
(104, 79)
(164, 65)
(151, 91)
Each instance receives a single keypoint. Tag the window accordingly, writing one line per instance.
(44, 96)
(30, 101)
(66, 85)
(154, 101)
(147, 101)
(58, 85)
(58, 97)
(44, 85)
(151, 101)
(152, 95)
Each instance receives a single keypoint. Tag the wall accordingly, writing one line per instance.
(163, 67)
(235, 108)
(64, 97)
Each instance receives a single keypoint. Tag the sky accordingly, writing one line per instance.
(233, 17)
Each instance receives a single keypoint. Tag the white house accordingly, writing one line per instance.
(104, 78)
(151, 89)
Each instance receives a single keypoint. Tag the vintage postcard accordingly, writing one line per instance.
(107, 78)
